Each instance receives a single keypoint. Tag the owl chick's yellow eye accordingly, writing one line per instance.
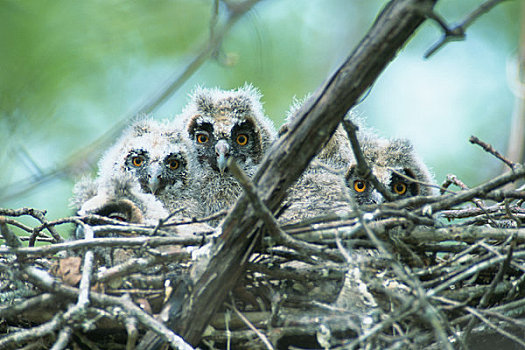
(242, 139)
(137, 161)
(400, 188)
(202, 138)
(359, 186)
(173, 164)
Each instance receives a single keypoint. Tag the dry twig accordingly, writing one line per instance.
(457, 32)
(488, 148)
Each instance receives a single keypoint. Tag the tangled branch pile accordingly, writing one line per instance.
(414, 273)
(424, 272)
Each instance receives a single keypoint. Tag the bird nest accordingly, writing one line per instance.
(424, 272)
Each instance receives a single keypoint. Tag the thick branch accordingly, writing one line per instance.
(314, 123)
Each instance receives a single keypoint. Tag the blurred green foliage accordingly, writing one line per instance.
(71, 70)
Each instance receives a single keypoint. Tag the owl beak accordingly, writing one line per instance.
(154, 181)
(154, 184)
(377, 198)
(222, 149)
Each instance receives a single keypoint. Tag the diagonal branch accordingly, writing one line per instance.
(269, 220)
(490, 149)
(313, 124)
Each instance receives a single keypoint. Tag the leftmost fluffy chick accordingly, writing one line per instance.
(158, 157)
(119, 198)
(143, 177)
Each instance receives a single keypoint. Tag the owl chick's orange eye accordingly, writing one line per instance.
(202, 138)
(400, 188)
(173, 164)
(137, 161)
(359, 186)
(242, 139)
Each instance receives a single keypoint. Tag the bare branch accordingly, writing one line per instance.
(479, 191)
(39, 300)
(87, 269)
(37, 214)
(266, 216)
(457, 32)
(103, 242)
(493, 326)
(489, 292)
(488, 148)
(10, 238)
(63, 338)
(32, 333)
(251, 326)
(46, 282)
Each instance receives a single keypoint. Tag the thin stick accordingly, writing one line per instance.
(103, 242)
(266, 216)
(490, 149)
(362, 166)
(251, 326)
(457, 32)
(493, 326)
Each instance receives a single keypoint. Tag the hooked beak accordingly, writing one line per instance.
(154, 181)
(377, 198)
(222, 149)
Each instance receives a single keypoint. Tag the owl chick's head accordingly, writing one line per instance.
(155, 154)
(395, 164)
(361, 189)
(228, 123)
(402, 171)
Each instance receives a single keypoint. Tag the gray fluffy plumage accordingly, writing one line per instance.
(159, 158)
(319, 191)
(390, 160)
(224, 124)
(337, 152)
(119, 198)
(394, 162)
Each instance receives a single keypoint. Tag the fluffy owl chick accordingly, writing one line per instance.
(159, 158)
(119, 198)
(396, 165)
(224, 124)
(403, 166)
(319, 191)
